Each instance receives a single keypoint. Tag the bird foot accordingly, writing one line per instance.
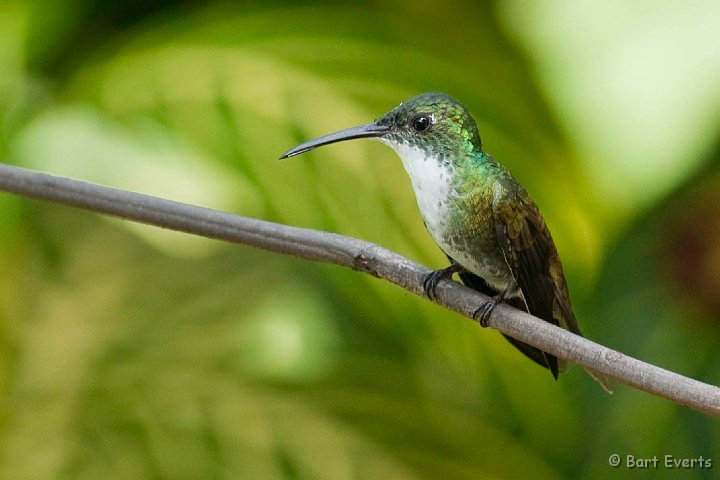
(433, 278)
(483, 313)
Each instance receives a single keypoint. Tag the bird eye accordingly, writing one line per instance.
(421, 122)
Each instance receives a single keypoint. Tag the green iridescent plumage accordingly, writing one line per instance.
(455, 134)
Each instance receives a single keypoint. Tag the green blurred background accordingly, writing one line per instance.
(130, 352)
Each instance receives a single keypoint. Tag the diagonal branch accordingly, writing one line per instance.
(363, 256)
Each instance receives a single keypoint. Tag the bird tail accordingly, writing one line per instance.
(538, 356)
(543, 359)
(604, 381)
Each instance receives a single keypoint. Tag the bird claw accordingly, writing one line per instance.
(430, 283)
(433, 278)
(482, 314)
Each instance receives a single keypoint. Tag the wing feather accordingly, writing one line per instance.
(529, 252)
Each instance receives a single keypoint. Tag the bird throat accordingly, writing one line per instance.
(432, 180)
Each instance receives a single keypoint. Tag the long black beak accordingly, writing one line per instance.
(369, 130)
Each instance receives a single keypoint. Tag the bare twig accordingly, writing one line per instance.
(364, 256)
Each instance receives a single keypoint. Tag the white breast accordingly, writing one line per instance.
(432, 185)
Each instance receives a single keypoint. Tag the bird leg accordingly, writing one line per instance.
(433, 278)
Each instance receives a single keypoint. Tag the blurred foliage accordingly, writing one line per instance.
(129, 352)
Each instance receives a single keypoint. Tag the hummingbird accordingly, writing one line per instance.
(485, 222)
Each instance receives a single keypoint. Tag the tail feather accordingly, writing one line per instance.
(604, 381)
(536, 355)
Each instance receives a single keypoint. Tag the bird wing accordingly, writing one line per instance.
(530, 253)
(528, 249)
(532, 257)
